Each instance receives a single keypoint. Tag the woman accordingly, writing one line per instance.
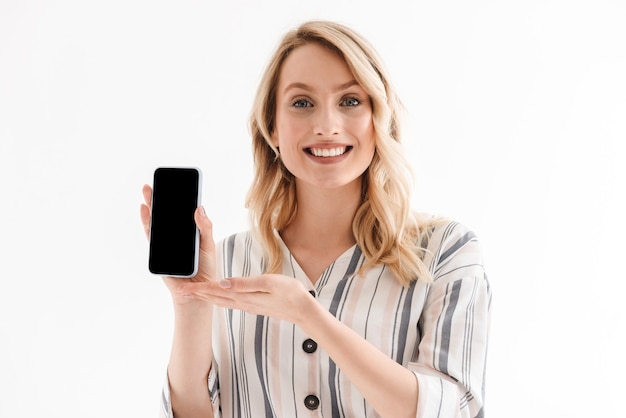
(340, 302)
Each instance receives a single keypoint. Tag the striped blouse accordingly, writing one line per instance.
(265, 367)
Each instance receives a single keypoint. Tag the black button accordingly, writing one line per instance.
(312, 292)
(312, 402)
(309, 346)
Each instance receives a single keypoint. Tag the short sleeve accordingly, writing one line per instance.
(165, 410)
(451, 358)
(214, 390)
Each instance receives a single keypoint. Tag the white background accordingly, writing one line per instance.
(517, 115)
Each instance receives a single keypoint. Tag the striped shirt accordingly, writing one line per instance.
(265, 367)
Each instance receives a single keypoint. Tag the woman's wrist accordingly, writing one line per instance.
(189, 308)
(309, 314)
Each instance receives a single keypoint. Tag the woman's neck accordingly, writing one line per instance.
(324, 218)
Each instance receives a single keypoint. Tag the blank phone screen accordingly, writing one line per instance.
(173, 231)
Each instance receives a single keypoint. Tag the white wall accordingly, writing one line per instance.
(517, 118)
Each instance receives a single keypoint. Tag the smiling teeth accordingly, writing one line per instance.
(328, 152)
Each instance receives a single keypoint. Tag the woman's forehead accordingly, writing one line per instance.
(313, 64)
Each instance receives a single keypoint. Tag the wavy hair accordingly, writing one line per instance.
(384, 227)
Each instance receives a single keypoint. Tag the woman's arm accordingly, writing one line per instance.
(388, 386)
(454, 325)
(191, 355)
(190, 360)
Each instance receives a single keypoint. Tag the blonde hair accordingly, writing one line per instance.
(384, 227)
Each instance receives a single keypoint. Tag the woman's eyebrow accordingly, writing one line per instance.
(304, 86)
(298, 86)
(346, 85)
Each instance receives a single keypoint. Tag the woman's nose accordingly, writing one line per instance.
(327, 121)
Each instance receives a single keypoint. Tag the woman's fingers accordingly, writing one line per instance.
(147, 195)
(206, 230)
(269, 295)
(145, 219)
(207, 288)
(257, 284)
(145, 209)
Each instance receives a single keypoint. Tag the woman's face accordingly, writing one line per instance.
(323, 123)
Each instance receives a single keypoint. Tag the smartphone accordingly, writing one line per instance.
(174, 235)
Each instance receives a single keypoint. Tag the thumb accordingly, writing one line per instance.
(206, 229)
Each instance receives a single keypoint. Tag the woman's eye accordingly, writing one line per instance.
(302, 103)
(351, 101)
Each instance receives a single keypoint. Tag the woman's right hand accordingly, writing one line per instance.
(206, 263)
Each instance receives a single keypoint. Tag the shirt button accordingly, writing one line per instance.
(312, 402)
(309, 346)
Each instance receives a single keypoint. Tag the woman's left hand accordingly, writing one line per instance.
(273, 295)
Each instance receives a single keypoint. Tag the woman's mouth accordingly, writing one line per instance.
(328, 152)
